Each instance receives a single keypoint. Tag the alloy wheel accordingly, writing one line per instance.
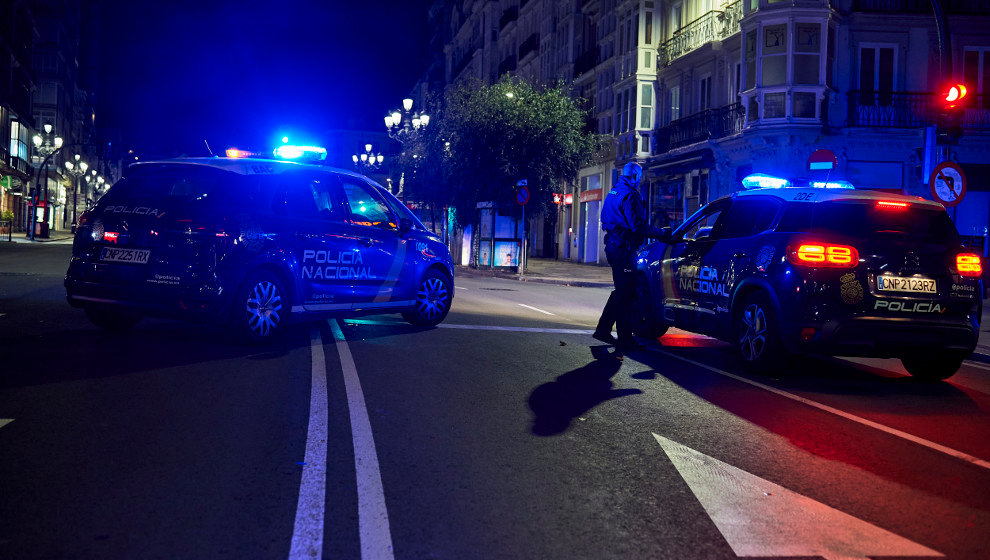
(264, 309)
(432, 298)
(753, 340)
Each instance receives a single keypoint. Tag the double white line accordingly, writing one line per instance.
(373, 526)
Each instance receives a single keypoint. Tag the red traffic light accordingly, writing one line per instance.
(954, 95)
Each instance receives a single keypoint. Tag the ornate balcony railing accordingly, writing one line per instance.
(706, 125)
(903, 109)
(713, 26)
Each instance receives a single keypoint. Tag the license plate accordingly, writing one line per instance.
(136, 256)
(912, 285)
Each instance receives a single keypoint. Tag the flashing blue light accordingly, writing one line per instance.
(285, 139)
(764, 181)
(832, 185)
(289, 151)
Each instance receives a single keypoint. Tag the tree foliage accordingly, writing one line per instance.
(486, 138)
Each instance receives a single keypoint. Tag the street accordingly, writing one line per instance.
(505, 433)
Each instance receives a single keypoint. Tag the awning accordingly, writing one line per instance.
(682, 163)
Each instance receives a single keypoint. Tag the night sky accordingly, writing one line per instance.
(174, 73)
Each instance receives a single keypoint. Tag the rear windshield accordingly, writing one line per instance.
(862, 219)
(184, 186)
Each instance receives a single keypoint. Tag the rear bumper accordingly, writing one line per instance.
(886, 337)
(197, 305)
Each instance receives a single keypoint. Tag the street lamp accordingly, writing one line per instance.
(368, 159)
(45, 145)
(77, 170)
(401, 124)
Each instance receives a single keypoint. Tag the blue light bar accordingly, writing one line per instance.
(289, 151)
(764, 181)
(832, 185)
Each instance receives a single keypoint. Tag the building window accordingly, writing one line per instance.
(750, 57)
(774, 105)
(675, 103)
(675, 17)
(19, 140)
(804, 105)
(649, 28)
(645, 144)
(774, 54)
(976, 72)
(807, 53)
(738, 83)
(646, 106)
(647, 60)
(876, 74)
(705, 93)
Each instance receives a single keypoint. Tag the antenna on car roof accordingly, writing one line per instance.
(208, 147)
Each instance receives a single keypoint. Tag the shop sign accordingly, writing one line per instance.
(594, 194)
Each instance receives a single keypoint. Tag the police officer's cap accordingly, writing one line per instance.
(632, 170)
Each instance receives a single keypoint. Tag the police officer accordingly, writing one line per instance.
(626, 227)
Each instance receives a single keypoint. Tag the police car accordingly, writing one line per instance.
(254, 244)
(805, 268)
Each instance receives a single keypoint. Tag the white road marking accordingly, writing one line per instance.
(513, 329)
(307, 534)
(892, 431)
(459, 288)
(760, 518)
(535, 309)
(5, 421)
(373, 526)
(978, 365)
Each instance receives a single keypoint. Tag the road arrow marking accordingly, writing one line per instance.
(5, 421)
(760, 518)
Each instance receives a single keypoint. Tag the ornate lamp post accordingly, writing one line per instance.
(401, 124)
(77, 170)
(368, 159)
(45, 146)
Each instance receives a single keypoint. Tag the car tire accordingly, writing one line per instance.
(644, 322)
(758, 335)
(114, 320)
(932, 368)
(260, 309)
(433, 299)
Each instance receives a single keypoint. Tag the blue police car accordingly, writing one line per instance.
(254, 244)
(804, 268)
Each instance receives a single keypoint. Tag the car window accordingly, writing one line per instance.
(400, 210)
(364, 205)
(307, 195)
(181, 186)
(704, 219)
(862, 219)
(746, 217)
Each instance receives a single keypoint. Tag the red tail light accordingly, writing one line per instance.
(110, 236)
(823, 255)
(891, 205)
(969, 265)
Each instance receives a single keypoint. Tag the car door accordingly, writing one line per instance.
(681, 266)
(319, 238)
(730, 256)
(384, 279)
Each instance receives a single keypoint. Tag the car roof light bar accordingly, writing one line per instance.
(311, 153)
(764, 181)
(832, 185)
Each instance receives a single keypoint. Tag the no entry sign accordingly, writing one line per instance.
(822, 160)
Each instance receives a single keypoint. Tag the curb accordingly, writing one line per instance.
(473, 273)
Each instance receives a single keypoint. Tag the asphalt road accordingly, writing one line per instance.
(508, 432)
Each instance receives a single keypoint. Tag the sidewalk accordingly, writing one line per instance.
(548, 271)
(21, 237)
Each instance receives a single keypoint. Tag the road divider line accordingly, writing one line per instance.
(823, 407)
(307, 534)
(535, 309)
(513, 329)
(5, 421)
(373, 525)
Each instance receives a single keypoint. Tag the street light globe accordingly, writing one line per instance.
(388, 121)
(396, 117)
(48, 128)
(355, 158)
(84, 166)
(380, 158)
(424, 119)
(367, 147)
(364, 157)
(37, 141)
(407, 104)
(58, 141)
(100, 180)
(68, 165)
(94, 174)
(78, 156)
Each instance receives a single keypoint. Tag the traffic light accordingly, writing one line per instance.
(951, 109)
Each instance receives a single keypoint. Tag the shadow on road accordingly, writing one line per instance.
(574, 393)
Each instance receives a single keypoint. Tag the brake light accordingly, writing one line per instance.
(110, 236)
(891, 205)
(969, 265)
(84, 218)
(823, 255)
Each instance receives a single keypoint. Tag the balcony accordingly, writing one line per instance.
(973, 7)
(900, 109)
(713, 26)
(532, 43)
(706, 125)
(508, 16)
(587, 61)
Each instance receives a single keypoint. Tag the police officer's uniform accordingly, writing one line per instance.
(626, 227)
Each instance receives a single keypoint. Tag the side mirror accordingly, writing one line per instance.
(405, 225)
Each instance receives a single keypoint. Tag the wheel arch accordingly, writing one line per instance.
(746, 287)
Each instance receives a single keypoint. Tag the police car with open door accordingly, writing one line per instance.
(255, 244)
(805, 268)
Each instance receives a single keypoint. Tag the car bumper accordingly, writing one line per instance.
(883, 337)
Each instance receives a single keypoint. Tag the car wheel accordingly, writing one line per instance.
(433, 300)
(932, 368)
(758, 335)
(112, 319)
(260, 309)
(644, 323)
